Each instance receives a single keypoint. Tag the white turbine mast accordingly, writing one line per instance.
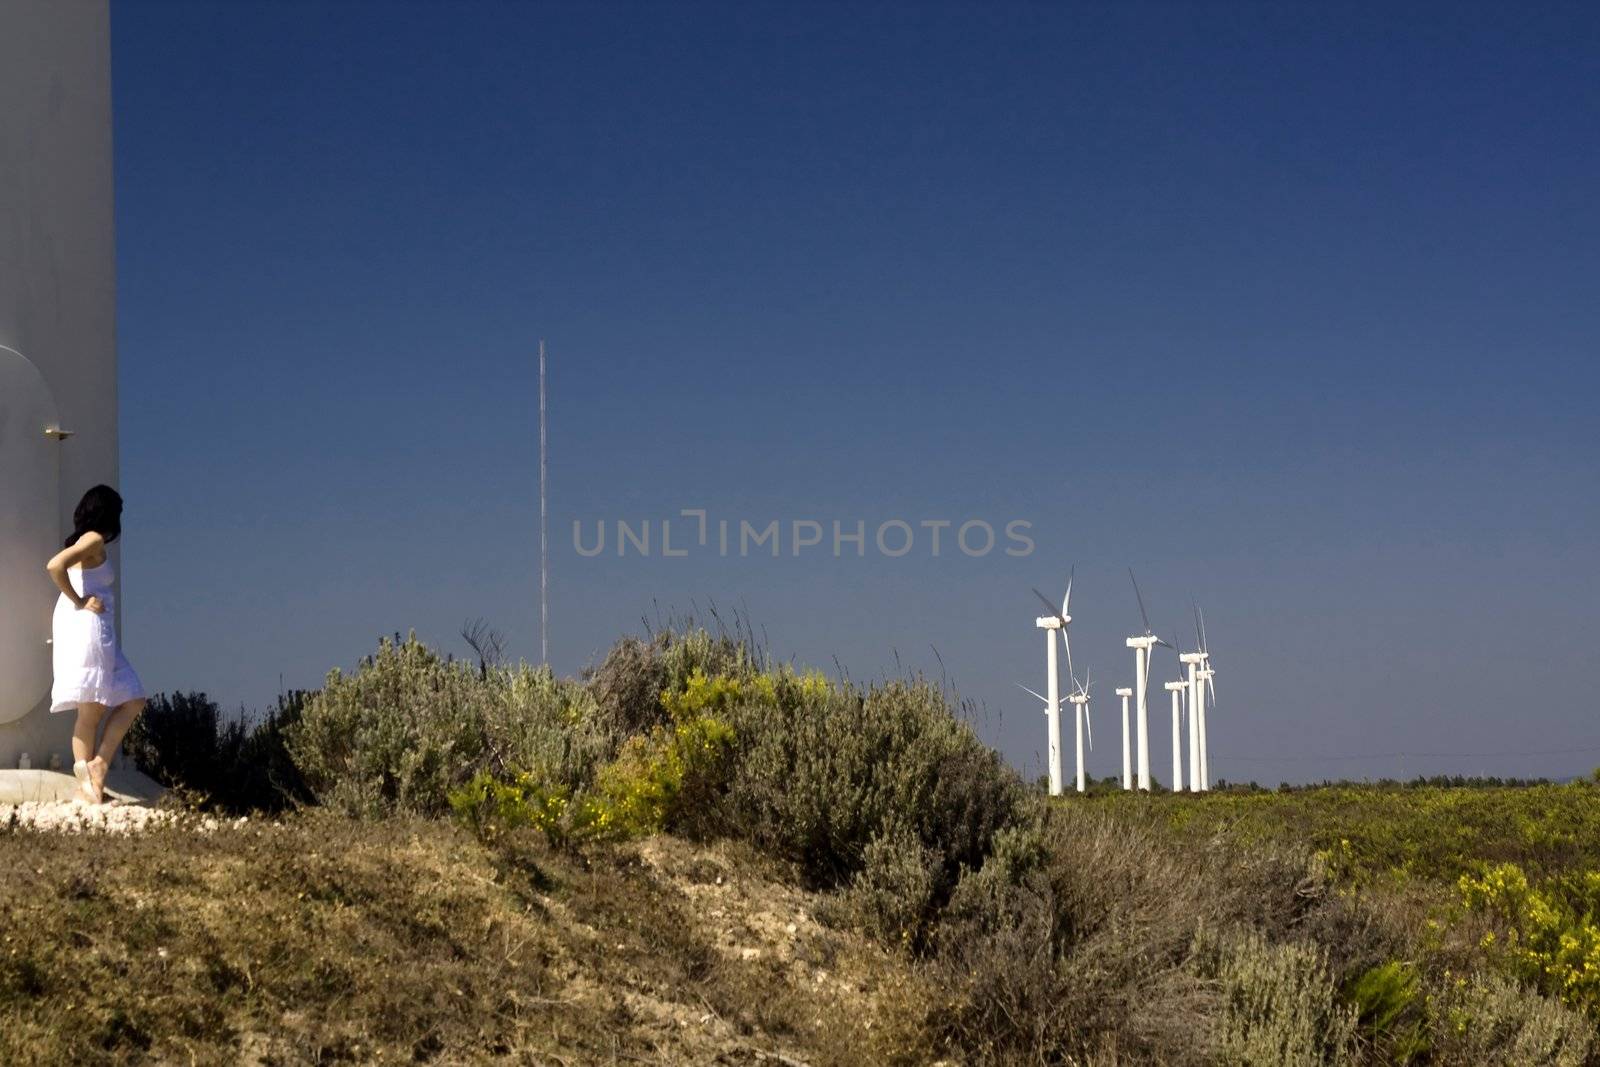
(1177, 689)
(1204, 674)
(1199, 685)
(1055, 622)
(1127, 759)
(1143, 645)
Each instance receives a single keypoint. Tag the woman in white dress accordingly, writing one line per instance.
(92, 677)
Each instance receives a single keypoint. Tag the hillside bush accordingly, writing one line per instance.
(820, 769)
(493, 808)
(1279, 1007)
(1389, 1010)
(628, 684)
(1087, 934)
(409, 727)
(1552, 937)
(231, 764)
(544, 726)
(397, 734)
(659, 778)
(891, 898)
(1493, 1021)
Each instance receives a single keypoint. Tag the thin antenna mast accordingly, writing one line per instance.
(544, 533)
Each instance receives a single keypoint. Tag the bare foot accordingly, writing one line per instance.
(80, 771)
(97, 769)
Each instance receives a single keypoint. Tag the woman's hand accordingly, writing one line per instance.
(76, 553)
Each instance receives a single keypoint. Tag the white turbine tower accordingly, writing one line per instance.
(1142, 645)
(1200, 686)
(1193, 661)
(1056, 622)
(1177, 690)
(1127, 758)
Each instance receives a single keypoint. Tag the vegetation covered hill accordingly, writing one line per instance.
(693, 855)
(321, 939)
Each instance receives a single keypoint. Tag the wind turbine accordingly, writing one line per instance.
(1127, 759)
(1142, 645)
(1205, 674)
(1177, 689)
(1199, 684)
(1080, 700)
(1194, 662)
(1055, 622)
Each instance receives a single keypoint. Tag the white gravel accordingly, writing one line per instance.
(73, 816)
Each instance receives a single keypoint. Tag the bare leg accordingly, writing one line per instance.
(90, 716)
(83, 732)
(116, 727)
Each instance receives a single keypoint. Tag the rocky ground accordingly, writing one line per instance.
(76, 815)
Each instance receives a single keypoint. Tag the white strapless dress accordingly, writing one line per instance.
(88, 659)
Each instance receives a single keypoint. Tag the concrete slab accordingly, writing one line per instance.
(127, 784)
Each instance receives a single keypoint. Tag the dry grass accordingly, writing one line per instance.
(321, 939)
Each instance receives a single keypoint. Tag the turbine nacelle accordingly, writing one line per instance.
(1144, 641)
(1176, 687)
(1052, 622)
(1124, 692)
(1192, 657)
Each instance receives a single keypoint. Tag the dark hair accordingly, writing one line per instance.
(100, 510)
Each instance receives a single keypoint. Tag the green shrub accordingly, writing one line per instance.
(545, 726)
(1388, 1010)
(820, 770)
(627, 686)
(1080, 939)
(891, 896)
(399, 734)
(492, 808)
(183, 741)
(409, 727)
(1552, 934)
(562, 788)
(1278, 1002)
(1491, 1021)
(660, 777)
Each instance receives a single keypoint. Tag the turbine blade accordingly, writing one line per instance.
(1068, 642)
(1044, 600)
(1031, 693)
(1088, 720)
(1200, 617)
(1066, 602)
(1199, 642)
(1140, 596)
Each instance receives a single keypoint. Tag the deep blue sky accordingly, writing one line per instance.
(1291, 307)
